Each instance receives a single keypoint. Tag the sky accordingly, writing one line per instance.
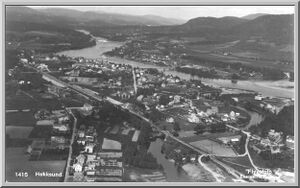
(184, 12)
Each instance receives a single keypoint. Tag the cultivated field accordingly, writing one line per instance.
(17, 161)
(213, 147)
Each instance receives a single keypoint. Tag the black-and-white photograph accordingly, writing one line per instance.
(149, 93)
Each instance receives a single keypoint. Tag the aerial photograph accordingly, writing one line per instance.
(148, 94)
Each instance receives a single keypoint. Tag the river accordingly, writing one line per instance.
(173, 174)
(267, 88)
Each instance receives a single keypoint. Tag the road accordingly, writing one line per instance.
(134, 81)
(214, 174)
(255, 118)
(70, 148)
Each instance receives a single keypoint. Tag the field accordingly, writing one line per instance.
(20, 119)
(245, 53)
(17, 136)
(17, 161)
(111, 144)
(20, 101)
(18, 131)
(205, 136)
(213, 147)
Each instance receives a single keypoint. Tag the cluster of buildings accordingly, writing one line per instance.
(146, 51)
(273, 142)
(96, 162)
(52, 132)
(273, 105)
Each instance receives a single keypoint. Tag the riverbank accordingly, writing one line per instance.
(266, 88)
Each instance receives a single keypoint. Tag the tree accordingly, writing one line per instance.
(176, 126)
(282, 122)
(235, 76)
(164, 100)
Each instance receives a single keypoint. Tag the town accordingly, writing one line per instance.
(98, 97)
(120, 110)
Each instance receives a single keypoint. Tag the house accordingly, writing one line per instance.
(81, 141)
(270, 107)
(193, 118)
(275, 137)
(23, 60)
(290, 142)
(90, 157)
(109, 172)
(235, 140)
(81, 158)
(89, 138)
(63, 119)
(90, 172)
(136, 135)
(89, 167)
(177, 99)
(61, 128)
(259, 97)
(89, 148)
(193, 157)
(43, 67)
(87, 107)
(233, 115)
(232, 139)
(275, 150)
(77, 167)
(109, 155)
(81, 134)
(235, 99)
(58, 139)
(110, 163)
(45, 123)
(170, 120)
(265, 142)
(140, 98)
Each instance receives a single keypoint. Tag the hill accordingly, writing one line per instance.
(211, 23)
(110, 18)
(271, 28)
(30, 29)
(253, 16)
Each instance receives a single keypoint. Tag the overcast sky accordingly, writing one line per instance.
(185, 12)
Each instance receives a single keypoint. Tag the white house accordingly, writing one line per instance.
(77, 167)
(235, 99)
(61, 128)
(45, 123)
(193, 118)
(89, 148)
(258, 97)
(81, 134)
(170, 120)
